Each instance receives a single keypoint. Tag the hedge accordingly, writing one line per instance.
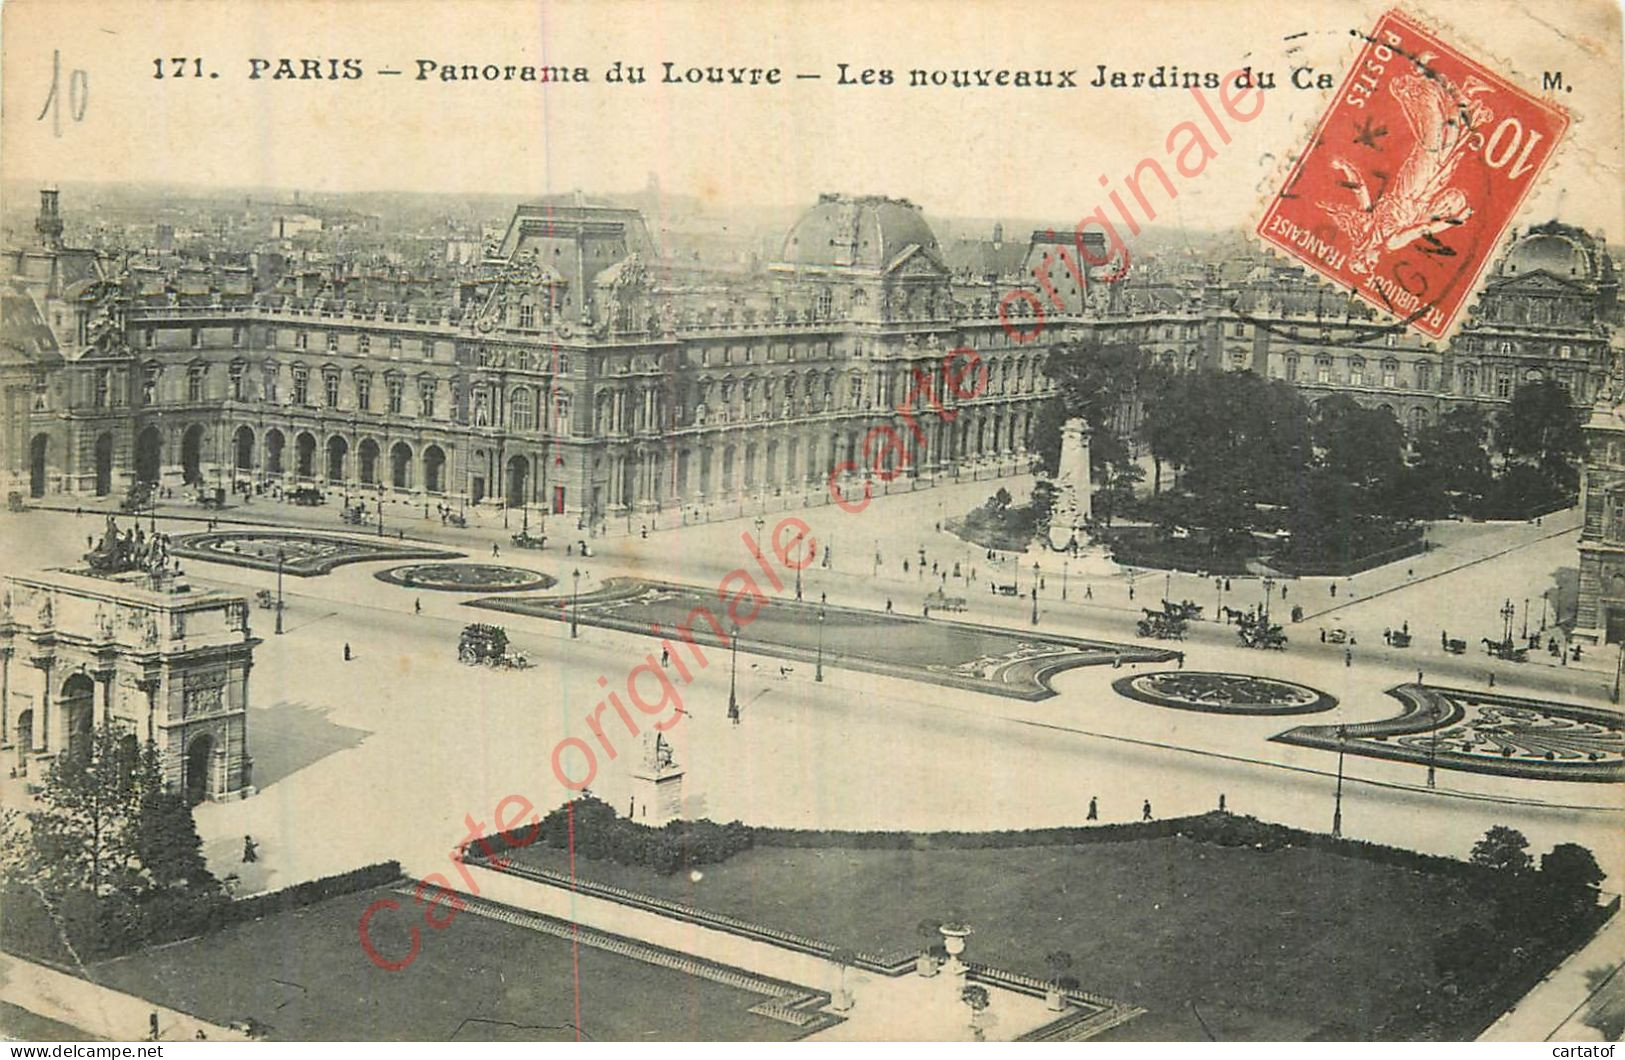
(598, 832)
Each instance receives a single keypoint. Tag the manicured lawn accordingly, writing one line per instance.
(21, 1025)
(304, 975)
(1239, 943)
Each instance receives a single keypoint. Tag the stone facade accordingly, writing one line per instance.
(143, 653)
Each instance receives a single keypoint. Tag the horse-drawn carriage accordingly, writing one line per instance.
(941, 601)
(265, 599)
(1167, 624)
(353, 514)
(307, 496)
(526, 539)
(487, 645)
(1505, 650)
(1255, 630)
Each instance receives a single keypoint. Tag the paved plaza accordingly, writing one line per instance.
(440, 742)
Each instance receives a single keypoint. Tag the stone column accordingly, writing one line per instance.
(44, 663)
(150, 686)
(104, 677)
(5, 694)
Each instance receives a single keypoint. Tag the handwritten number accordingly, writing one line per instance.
(78, 95)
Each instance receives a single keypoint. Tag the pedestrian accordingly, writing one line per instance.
(1283, 593)
(1227, 585)
(495, 549)
(1323, 636)
(888, 605)
(152, 1025)
(1444, 640)
(1088, 592)
(1145, 811)
(251, 850)
(1181, 660)
(1094, 809)
(905, 566)
(1419, 677)
(417, 606)
(1348, 656)
(1131, 592)
(346, 651)
(569, 550)
(1492, 678)
(1221, 802)
(1334, 591)
(665, 658)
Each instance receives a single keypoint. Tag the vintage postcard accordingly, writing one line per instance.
(839, 522)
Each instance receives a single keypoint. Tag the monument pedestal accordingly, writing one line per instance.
(657, 795)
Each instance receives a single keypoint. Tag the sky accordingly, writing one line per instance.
(966, 152)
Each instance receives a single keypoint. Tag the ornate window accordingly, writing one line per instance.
(1357, 371)
(520, 412)
(396, 389)
(333, 342)
(270, 376)
(363, 391)
(301, 340)
(527, 315)
(426, 389)
(104, 387)
(394, 344)
(1323, 369)
(1292, 368)
(235, 376)
(330, 389)
(1424, 376)
(301, 385)
(1390, 373)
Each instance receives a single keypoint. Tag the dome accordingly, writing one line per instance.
(868, 231)
(1563, 253)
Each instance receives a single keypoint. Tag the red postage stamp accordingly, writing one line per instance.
(1413, 175)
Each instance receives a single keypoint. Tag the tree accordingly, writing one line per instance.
(1570, 876)
(1504, 850)
(1361, 448)
(83, 832)
(977, 1000)
(1541, 427)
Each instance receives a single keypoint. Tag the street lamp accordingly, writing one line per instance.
(280, 556)
(733, 680)
(1035, 604)
(575, 599)
(1433, 742)
(380, 513)
(760, 522)
(818, 669)
(1545, 598)
(1337, 806)
(1063, 579)
(1526, 619)
(1507, 614)
(1269, 589)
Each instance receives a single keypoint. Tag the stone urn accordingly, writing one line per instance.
(953, 940)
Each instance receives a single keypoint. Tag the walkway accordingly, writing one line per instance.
(905, 1008)
(80, 1003)
(1583, 1000)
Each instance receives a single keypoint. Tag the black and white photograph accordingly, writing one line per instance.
(547, 521)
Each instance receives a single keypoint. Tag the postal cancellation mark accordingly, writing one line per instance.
(1413, 175)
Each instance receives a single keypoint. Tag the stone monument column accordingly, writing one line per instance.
(149, 684)
(104, 677)
(43, 663)
(6, 653)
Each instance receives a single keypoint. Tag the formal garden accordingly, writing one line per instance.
(1246, 473)
(1220, 926)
